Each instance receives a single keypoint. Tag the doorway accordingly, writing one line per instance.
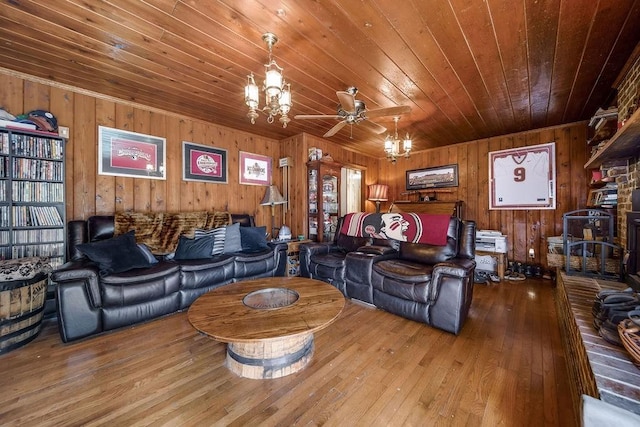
(350, 191)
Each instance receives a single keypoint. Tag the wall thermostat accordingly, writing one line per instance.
(286, 161)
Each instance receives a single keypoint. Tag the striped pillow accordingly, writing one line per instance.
(218, 235)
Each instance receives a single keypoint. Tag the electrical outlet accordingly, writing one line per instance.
(532, 253)
(63, 131)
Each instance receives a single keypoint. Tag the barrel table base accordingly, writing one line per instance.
(267, 323)
(272, 358)
(21, 311)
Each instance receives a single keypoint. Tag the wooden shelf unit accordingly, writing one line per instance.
(623, 144)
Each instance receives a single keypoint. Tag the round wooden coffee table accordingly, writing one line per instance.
(268, 324)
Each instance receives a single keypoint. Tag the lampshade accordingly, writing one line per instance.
(378, 192)
(273, 196)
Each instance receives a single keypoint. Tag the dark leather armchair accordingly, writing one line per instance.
(430, 284)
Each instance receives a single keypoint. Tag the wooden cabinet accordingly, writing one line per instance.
(324, 199)
(32, 212)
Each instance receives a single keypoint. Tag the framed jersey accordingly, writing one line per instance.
(523, 177)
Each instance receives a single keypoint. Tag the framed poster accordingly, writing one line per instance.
(255, 169)
(124, 153)
(441, 176)
(523, 177)
(203, 163)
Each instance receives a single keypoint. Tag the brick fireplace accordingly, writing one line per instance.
(633, 242)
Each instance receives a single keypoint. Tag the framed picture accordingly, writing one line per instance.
(124, 153)
(523, 177)
(203, 163)
(441, 176)
(255, 169)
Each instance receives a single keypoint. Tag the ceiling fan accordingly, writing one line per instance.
(353, 111)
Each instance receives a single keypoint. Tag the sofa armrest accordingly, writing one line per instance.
(80, 272)
(280, 254)
(377, 250)
(457, 267)
(307, 250)
(78, 299)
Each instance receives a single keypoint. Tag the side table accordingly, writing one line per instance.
(293, 256)
(501, 260)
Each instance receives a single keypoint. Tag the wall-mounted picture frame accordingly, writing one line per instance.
(203, 163)
(435, 177)
(523, 177)
(255, 169)
(136, 155)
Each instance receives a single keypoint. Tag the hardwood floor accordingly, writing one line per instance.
(370, 368)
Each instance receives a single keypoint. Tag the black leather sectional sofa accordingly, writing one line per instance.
(89, 302)
(427, 283)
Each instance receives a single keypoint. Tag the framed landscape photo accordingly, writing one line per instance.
(255, 169)
(436, 177)
(124, 153)
(203, 163)
(523, 177)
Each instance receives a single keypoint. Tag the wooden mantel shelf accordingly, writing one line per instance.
(623, 144)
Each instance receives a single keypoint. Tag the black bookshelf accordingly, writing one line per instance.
(32, 195)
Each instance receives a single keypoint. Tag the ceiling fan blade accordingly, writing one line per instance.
(334, 129)
(316, 116)
(347, 101)
(391, 111)
(373, 127)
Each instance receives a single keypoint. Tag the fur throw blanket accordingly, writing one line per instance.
(404, 227)
(160, 231)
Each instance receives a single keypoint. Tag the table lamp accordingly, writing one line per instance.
(377, 194)
(272, 198)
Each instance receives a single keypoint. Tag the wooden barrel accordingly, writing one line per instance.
(272, 358)
(21, 311)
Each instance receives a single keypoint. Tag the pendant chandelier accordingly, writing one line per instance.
(392, 144)
(277, 92)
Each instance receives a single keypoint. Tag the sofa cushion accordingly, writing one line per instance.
(331, 259)
(232, 239)
(253, 239)
(194, 248)
(115, 255)
(350, 243)
(218, 235)
(402, 279)
(147, 253)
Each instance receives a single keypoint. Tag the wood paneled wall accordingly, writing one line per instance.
(525, 228)
(89, 193)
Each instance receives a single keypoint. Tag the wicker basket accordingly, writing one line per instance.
(612, 265)
(630, 337)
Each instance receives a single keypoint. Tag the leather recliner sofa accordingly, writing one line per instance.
(427, 283)
(89, 303)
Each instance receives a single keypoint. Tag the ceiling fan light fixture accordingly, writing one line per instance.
(277, 92)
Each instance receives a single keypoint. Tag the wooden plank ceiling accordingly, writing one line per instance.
(469, 69)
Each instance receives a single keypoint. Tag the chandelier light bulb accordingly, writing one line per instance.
(392, 144)
(277, 93)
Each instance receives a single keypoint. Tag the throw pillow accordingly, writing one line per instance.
(253, 239)
(194, 248)
(147, 253)
(218, 235)
(232, 239)
(115, 255)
